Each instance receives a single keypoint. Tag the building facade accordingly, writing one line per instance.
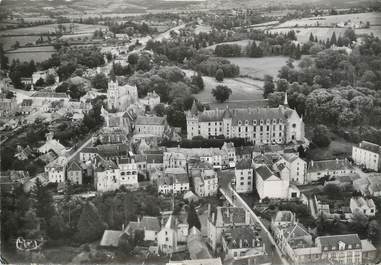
(120, 97)
(367, 154)
(260, 126)
(244, 176)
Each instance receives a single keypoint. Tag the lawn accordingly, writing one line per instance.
(242, 43)
(243, 88)
(259, 67)
(8, 42)
(202, 28)
(303, 34)
(38, 54)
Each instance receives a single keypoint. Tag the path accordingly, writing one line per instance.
(85, 144)
(236, 200)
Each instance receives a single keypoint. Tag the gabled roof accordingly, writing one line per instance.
(150, 120)
(242, 237)
(316, 166)
(331, 242)
(265, 173)
(110, 238)
(244, 164)
(375, 148)
(74, 166)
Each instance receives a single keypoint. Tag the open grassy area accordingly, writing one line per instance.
(303, 34)
(242, 88)
(242, 43)
(259, 67)
(38, 54)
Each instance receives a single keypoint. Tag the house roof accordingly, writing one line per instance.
(228, 215)
(242, 237)
(290, 157)
(110, 238)
(174, 178)
(154, 158)
(216, 261)
(244, 150)
(151, 223)
(244, 164)
(150, 120)
(332, 242)
(375, 148)
(49, 94)
(316, 166)
(361, 202)
(74, 166)
(284, 216)
(264, 172)
(26, 102)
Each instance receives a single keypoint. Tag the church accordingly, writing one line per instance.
(280, 125)
(120, 97)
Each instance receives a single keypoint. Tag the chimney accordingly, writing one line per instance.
(253, 243)
(312, 163)
(337, 161)
(240, 243)
(122, 227)
(138, 220)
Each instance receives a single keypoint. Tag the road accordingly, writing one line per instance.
(71, 156)
(271, 247)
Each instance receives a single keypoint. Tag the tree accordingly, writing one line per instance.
(133, 58)
(333, 39)
(321, 136)
(193, 219)
(100, 82)
(50, 80)
(43, 201)
(268, 86)
(332, 190)
(282, 85)
(159, 110)
(198, 81)
(312, 39)
(220, 75)
(373, 231)
(144, 63)
(90, 226)
(359, 223)
(221, 93)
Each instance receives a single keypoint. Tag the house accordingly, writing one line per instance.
(74, 172)
(155, 161)
(205, 180)
(170, 235)
(43, 75)
(230, 150)
(119, 120)
(297, 167)
(244, 153)
(367, 154)
(56, 170)
(52, 145)
(151, 125)
(175, 180)
(214, 261)
(111, 238)
(128, 172)
(271, 184)
(150, 226)
(280, 125)
(174, 158)
(8, 106)
(30, 184)
(45, 97)
(361, 205)
(292, 237)
(244, 176)
(242, 241)
(345, 249)
(222, 218)
(334, 168)
(151, 100)
(196, 245)
(24, 153)
(106, 175)
(26, 106)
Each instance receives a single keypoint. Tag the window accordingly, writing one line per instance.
(239, 123)
(254, 122)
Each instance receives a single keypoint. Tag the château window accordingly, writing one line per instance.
(254, 122)
(239, 123)
(246, 122)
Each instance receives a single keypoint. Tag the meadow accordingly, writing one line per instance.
(259, 67)
(38, 54)
(242, 88)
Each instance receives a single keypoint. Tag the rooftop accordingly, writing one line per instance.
(265, 172)
(244, 164)
(150, 120)
(110, 238)
(316, 166)
(242, 237)
(351, 241)
(375, 148)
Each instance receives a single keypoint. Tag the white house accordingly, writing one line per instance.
(174, 180)
(297, 167)
(333, 168)
(171, 234)
(128, 172)
(271, 184)
(367, 154)
(151, 100)
(52, 145)
(360, 205)
(106, 175)
(205, 181)
(74, 173)
(244, 176)
(56, 170)
(149, 224)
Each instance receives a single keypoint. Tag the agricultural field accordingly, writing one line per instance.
(259, 67)
(49, 28)
(303, 34)
(202, 28)
(242, 88)
(38, 54)
(374, 18)
(8, 42)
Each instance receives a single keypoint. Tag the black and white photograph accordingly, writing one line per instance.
(190, 132)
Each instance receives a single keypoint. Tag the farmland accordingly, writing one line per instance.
(38, 54)
(303, 34)
(259, 67)
(51, 28)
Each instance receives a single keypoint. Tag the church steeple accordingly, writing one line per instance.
(285, 100)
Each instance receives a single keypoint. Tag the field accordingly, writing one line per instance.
(373, 18)
(328, 25)
(38, 54)
(49, 28)
(242, 88)
(259, 67)
(242, 43)
(303, 34)
(202, 28)
(8, 42)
